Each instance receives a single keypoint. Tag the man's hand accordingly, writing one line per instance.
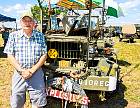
(32, 70)
(26, 73)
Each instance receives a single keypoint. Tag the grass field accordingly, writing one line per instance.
(129, 61)
(129, 56)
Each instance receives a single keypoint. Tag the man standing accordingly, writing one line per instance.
(27, 52)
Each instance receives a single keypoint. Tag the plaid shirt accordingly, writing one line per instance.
(27, 51)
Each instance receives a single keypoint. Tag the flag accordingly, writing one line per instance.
(98, 2)
(78, 4)
(113, 9)
(69, 4)
(82, 2)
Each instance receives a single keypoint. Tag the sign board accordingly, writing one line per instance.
(52, 53)
(68, 96)
(103, 83)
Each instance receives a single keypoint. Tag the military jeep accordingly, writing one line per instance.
(88, 61)
(129, 31)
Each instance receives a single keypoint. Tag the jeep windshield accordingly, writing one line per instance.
(69, 23)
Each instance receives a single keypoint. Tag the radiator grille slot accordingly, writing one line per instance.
(66, 50)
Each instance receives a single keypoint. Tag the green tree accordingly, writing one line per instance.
(42, 13)
(36, 12)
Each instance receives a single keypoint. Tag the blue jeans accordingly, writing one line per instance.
(34, 85)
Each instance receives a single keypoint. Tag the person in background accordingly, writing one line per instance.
(5, 35)
(27, 52)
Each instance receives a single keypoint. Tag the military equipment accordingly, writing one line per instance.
(137, 30)
(79, 58)
(128, 32)
(67, 56)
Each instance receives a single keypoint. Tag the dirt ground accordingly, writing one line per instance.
(118, 100)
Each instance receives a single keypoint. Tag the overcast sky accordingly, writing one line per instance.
(131, 9)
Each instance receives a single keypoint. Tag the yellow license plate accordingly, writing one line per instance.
(64, 64)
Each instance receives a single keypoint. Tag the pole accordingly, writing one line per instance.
(103, 21)
(49, 14)
(89, 29)
(16, 25)
(41, 14)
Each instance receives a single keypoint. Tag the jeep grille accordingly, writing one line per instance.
(66, 50)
